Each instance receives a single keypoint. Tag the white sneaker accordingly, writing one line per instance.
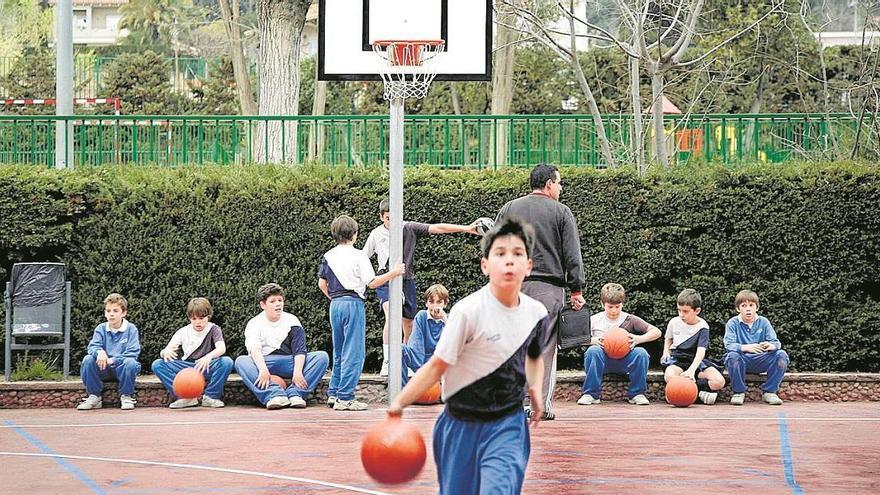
(277, 402)
(211, 402)
(640, 400)
(127, 402)
(587, 400)
(384, 370)
(708, 398)
(737, 399)
(349, 405)
(297, 402)
(771, 398)
(331, 401)
(183, 403)
(90, 402)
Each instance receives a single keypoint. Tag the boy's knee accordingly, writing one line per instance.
(157, 365)
(242, 361)
(131, 363)
(321, 357)
(224, 362)
(782, 359)
(640, 354)
(88, 360)
(733, 359)
(594, 351)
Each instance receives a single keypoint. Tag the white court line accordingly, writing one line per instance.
(422, 420)
(203, 468)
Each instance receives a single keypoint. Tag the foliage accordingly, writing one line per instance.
(25, 25)
(219, 96)
(35, 369)
(141, 81)
(31, 76)
(805, 237)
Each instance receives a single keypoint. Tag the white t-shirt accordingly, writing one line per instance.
(481, 334)
(378, 244)
(351, 268)
(268, 335)
(680, 332)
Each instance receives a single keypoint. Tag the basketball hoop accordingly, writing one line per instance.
(406, 75)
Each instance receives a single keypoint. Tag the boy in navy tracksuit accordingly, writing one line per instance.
(489, 350)
(112, 354)
(752, 347)
(343, 277)
(427, 327)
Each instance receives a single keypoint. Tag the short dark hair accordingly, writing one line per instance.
(384, 206)
(746, 295)
(343, 228)
(690, 297)
(268, 290)
(541, 174)
(508, 225)
(117, 299)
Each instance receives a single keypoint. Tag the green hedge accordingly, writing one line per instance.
(804, 237)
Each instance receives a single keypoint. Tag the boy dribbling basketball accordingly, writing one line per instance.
(489, 350)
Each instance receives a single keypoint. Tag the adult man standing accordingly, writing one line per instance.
(556, 258)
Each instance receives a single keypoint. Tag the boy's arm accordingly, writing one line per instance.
(698, 358)
(452, 228)
(299, 350)
(771, 338)
(133, 346)
(380, 280)
(204, 363)
(535, 380)
(322, 284)
(96, 345)
(730, 342)
(425, 378)
(415, 348)
(169, 352)
(667, 349)
(651, 335)
(263, 378)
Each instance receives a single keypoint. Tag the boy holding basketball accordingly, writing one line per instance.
(203, 349)
(752, 347)
(427, 327)
(634, 364)
(378, 244)
(344, 275)
(684, 348)
(276, 345)
(489, 350)
(111, 354)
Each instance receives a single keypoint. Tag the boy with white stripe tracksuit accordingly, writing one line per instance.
(343, 277)
(490, 348)
(276, 344)
(203, 349)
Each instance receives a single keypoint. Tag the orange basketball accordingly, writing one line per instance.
(681, 391)
(189, 384)
(393, 452)
(278, 381)
(616, 343)
(431, 396)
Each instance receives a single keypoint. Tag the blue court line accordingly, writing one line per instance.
(62, 462)
(787, 461)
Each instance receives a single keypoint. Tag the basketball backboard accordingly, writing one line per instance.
(348, 28)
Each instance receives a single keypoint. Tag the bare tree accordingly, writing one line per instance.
(231, 14)
(503, 58)
(280, 24)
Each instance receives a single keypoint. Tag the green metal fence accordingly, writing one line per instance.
(470, 141)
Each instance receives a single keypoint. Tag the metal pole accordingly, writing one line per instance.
(63, 83)
(395, 198)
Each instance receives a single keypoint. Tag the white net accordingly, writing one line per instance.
(407, 75)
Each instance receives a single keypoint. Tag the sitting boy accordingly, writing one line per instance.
(752, 347)
(203, 349)
(634, 364)
(276, 345)
(112, 354)
(427, 327)
(684, 348)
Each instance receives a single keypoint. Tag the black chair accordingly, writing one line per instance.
(37, 302)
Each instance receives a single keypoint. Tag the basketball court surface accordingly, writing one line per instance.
(607, 448)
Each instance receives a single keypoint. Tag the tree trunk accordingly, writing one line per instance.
(502, 80)
(231, 19)
(281, 24)
(319, 107)
(638, 146)
(659, 132)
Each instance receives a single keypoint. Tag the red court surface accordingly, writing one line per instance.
(607, 448)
